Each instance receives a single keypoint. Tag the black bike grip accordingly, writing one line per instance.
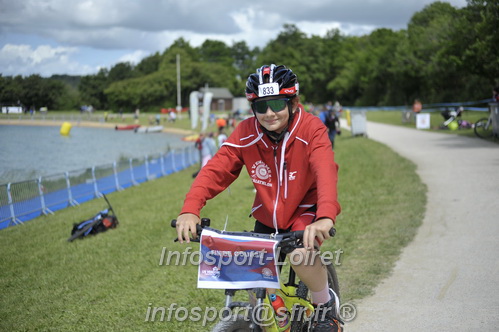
(299, 234)
(199, 228)
(332, 231)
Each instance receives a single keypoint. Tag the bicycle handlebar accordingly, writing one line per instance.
(293, 236)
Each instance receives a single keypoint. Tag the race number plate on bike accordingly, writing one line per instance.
(233, 262)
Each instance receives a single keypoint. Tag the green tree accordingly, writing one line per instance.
(480, 30)
(285, 49)
(244, 60)
(344, 82)
(214, 51)
(120, 71)
(69, 99)
(92, 89)
(148, 65)
(11, 90)
(39, 92)
(377, 82)
(290, 49)
(147, 93)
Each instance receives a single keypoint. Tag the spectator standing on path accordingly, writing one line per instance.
(324, 111)
(232, 122)
(208, 150)
(221, 138)
(172, 116)
(198, 144)
(333, 125)
(136, 115)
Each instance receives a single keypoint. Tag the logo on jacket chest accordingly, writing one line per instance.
(261, 174)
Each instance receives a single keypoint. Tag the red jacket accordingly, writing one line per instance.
(289, 177)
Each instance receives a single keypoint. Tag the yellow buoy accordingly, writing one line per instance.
(65, 128)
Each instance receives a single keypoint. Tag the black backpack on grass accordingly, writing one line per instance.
(101, 222)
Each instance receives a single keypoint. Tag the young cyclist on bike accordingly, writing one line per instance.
(289, 158)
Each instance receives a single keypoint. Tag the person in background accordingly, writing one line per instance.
(208, 148)
(323, 112)
(495, 94)
(333, 125)
(222, 137)
(221, 123)
(136, 115)
(172, 116)
(198, 144)
(417, 106)
(337, 108)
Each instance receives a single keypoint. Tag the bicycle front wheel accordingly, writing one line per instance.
(332, 279)
(298, 324)
(483, 128)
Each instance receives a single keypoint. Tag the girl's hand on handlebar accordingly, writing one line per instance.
(318, 230)
(186, 223)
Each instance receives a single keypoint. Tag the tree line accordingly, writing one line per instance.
(445, 54)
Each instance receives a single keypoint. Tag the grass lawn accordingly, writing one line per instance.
(109, 282)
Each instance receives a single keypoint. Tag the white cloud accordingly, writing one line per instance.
(44, 60)
(134, 58)
(80, 36)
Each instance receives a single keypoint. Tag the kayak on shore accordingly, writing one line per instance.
(127, 127)
(153, 129)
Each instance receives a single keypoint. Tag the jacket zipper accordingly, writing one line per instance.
(285, 181)
(274, 216)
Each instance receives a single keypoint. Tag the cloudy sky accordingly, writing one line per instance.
(78, 37)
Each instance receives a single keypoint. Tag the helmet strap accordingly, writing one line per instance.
(274, 136)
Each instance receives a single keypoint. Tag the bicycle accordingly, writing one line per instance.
(483, 127)
(294, 293)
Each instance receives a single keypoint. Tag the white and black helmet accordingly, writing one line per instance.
(272, 80)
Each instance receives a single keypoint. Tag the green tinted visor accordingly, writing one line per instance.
(276, 105)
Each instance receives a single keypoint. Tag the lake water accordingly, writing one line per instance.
(27, 152)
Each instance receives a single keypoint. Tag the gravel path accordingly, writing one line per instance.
(447, 278)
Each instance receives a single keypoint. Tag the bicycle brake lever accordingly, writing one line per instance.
(289, 244)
